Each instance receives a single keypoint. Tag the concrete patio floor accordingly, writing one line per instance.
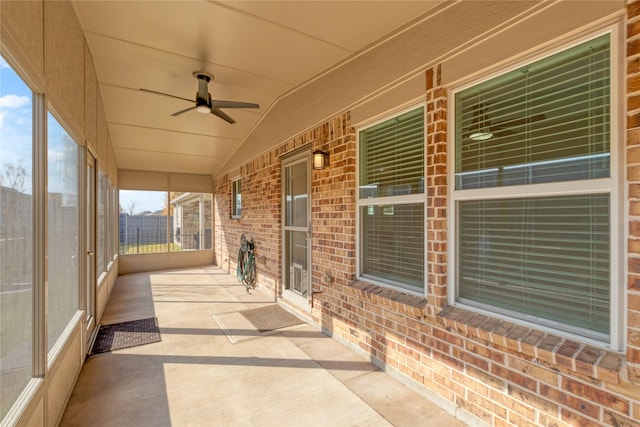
(196, 376)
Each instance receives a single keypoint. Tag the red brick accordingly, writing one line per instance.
(585, 360)
(469, 358)
(537, 401)
(484, 415)
(529, 342)
(618, 420)
(514, 377)
(596, 395)
(566, 352)
(633, 9)
(545, 349)
(576, 420)
(633, 139)
(532, 370)
(581, 405)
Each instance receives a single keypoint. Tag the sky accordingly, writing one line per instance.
(16, 141)
(143, 200)
(15, 124)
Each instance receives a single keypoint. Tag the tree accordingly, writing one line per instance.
(131, 205)
(13, 177)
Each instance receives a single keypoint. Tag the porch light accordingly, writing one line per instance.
(320, 160)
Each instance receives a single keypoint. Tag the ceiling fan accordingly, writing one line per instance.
(204, 103)
(483, 129)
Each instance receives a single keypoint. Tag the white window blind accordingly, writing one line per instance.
(392, 156)
(546, 122)
(544, 258)
(391, 201)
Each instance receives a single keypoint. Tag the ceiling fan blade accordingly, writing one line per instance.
(216, 103)
(166, 94)
(177, 113)
(512, 123)
(217, 112)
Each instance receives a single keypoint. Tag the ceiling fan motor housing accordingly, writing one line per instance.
(203, 97)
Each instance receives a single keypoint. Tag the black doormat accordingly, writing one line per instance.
(126, 334)
(270, 317)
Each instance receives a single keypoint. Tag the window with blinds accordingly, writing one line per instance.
(539, 253)
(545, 122)
(391, 201)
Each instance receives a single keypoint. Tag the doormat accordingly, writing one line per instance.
(270, 318)
(125, 335)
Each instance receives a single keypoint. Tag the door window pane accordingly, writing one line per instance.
(236, 198)
(296, 195)
(16, 237)
(63, 219)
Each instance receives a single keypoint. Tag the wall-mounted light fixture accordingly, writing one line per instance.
(320, 160)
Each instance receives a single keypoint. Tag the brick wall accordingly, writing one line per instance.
(502, 373)
(333, 209)
(633, 177)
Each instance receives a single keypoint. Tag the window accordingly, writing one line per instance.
(391, 201)
(160, 221)
(102, 215)
(192, 216)
(236, 198)
(533, 192)
(143, 221)
(63, 219)
(16, 237)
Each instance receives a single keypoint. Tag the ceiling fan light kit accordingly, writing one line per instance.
(203, 102)
(481, 136)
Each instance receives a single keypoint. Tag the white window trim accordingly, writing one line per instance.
(613, 186)
(390, 200)
(234, 214)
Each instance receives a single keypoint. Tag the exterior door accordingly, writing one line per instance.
(90, 270)
(296, 236)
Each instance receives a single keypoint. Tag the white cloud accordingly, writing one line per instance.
(3, 63)
(14, 101)
(2, 115)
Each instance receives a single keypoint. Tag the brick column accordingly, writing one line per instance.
(436, 222)
(633, 176)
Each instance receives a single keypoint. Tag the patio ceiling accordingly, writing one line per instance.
(258, 51)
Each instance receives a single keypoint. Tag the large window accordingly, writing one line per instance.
(533, 192)
(160, 221)
(391, 201)
(16, 237)
(63, 226)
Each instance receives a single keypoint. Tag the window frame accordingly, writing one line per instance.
(54, 349)
(613, 185)
(419, 198)
(235, 212)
